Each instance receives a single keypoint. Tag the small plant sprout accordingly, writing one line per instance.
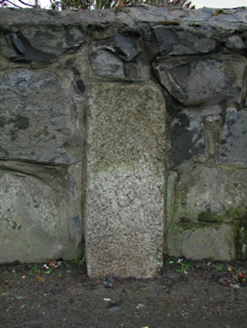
(32, 271)
(218, 267)
(184, 265)
(79, 261)
(66, 264)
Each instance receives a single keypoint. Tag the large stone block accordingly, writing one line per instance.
(125, 180)
(209, 189)
(203, 80)
(33, 213)
(172, 42)
(38, 118)
(213, 241)
(41, 44)
(233, 148)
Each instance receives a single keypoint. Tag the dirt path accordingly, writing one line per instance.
(197, 294)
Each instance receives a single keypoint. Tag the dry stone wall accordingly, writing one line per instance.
(123, 132)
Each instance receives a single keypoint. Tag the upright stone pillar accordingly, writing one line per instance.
(125, 180)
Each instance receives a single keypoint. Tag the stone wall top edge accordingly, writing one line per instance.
(225, 18)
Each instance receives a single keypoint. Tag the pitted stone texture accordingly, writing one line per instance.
(40, 45)
(202, 81)
(125, 180)
(187, 137)
(209, 189)
(33, 219)
(233, 148)
(38, 119)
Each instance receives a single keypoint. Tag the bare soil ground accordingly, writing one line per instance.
(187, 294)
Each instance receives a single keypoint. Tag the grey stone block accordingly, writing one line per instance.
(216, 243)
(38, 121)
(233, 148)
(187, 137)
(235, 43)
(125, 180)
(202, 81)
(41, 45)
(40, 217)
(173, 42)
(209, 189)
(106, 64)
(125, 47)
(33, 222)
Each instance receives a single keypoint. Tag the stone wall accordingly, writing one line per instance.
(124, 130)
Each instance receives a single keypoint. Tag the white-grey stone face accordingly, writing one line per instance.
(125, 180)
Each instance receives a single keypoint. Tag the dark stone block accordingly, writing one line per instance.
(125, 47)
(25, 51)
(233, 148)
(187, 138)
(205, 80)
(130, 70)
(42, 46)
(166, 39)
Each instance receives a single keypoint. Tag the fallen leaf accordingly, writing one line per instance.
(40, 278)
(51, 262)
(230, 269)
(240, 275)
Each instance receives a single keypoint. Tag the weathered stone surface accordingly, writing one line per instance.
(202, 81)
(187, 137)
(209, 189)
(125, 180)
(47, 84)
(118, 61)
(40, 45)
(106, 64)
(33, 219)
(215, 242)
(233, 148)
(235, 42)
(37, 118)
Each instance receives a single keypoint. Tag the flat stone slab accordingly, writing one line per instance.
(37, 118)
(209, 242)
(125, 180)
(33, 218)
(209, 189)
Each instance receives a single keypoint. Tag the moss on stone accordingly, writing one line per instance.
(207, 217)
(237, 213)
